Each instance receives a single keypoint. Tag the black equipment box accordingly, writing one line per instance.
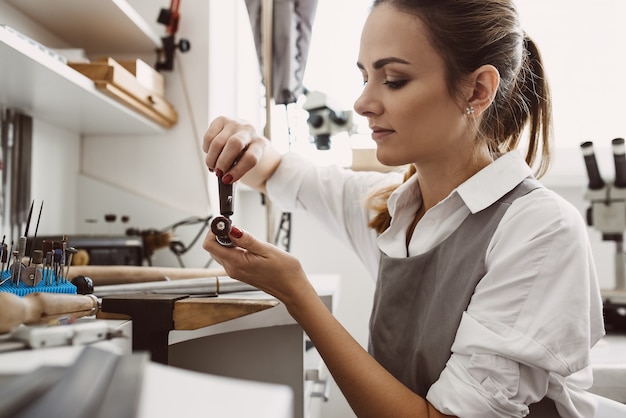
(102, 250)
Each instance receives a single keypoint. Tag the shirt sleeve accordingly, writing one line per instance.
(335, 197)
(532, 320)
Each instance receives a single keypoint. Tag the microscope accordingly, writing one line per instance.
(607, 214)
(325, 119)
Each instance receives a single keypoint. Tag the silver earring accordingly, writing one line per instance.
(469, 110)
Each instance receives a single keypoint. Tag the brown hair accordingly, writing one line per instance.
(471, 33)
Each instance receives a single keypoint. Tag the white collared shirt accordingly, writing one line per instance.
(533, 317)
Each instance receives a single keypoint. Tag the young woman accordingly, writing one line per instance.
(486, 301)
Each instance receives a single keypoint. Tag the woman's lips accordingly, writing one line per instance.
(380, 133)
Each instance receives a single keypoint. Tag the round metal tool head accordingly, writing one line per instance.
(220, 226)
(31, 276)
(225, 241)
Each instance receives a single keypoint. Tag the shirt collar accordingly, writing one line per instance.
(479, 191)
(494, 181)
(407, 193)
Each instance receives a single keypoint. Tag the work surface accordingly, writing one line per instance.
(169, 391)
(189, 392)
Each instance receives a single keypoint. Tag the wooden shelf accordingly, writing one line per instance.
(104, 27)
(40, 85)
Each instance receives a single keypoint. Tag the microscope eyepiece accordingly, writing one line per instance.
(619, 157)
(595, 179)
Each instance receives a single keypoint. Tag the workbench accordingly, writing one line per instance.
(259, 360)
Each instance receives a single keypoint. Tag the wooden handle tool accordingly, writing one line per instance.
(108, 275)
(40, 308)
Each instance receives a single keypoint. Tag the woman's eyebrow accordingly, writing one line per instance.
(378, 64)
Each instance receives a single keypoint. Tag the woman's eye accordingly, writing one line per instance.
(395, 84)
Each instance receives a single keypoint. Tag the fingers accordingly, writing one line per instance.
(259, 263)
(241, 240)
(214, 129)
(223, 142)
(250, 243)
(224, 256)
(232, 148)
(245, 161)
(242, 259)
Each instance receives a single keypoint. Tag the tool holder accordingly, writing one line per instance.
(49, 283)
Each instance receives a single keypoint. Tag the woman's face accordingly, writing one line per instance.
(405, 97)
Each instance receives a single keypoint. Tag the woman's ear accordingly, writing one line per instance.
(484, 84)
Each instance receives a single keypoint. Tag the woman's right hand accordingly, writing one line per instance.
(234, 148)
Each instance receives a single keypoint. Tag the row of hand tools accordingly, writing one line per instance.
(51, 270)
(48, 266)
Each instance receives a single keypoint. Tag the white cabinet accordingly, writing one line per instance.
(38, 84)
(267, 346)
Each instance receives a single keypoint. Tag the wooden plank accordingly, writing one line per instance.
(126, 80)
(133, 103)
(114, 79)
(194, 313)
(146, 75)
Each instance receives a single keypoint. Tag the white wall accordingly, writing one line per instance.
(166, 169)
(166, 172)
(161, 178)
(55, 165)
(55, 156)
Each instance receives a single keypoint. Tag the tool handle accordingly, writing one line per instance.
(227, 203)
(39, 307)
(107, 275)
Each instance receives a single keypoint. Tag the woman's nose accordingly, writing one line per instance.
(365, 104)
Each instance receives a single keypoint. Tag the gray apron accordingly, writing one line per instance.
(433, 290)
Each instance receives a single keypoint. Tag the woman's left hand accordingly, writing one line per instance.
(260, 264)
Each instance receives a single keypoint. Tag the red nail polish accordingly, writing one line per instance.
(218, 173)
(236, 232)
(227, 179)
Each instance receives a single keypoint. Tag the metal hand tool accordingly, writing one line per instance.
(33, 274)
(221, 225)
(41, 308)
